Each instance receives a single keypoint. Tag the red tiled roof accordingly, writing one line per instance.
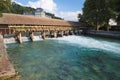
(32, 20)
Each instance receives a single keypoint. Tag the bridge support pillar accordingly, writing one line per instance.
(66, 33)
(55, 34)
(71, 32)
(19, 37)
(76, 32)
(60, 33)
(79, 32)
(44, 35)
(32, 36)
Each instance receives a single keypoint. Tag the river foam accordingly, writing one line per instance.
(92, 43)
(79, 40)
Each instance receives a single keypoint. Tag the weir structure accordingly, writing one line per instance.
(47, 27)
(18, 25)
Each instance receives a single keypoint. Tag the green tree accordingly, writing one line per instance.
(18, 9)
(53, 16)
(115, 8)
(4, 6)
(96, 13)
(80, 17)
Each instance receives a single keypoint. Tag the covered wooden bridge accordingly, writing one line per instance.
(10, 23)
(17, 24)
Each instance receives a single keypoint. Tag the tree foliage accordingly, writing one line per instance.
(98, 12)
(53, 16)
(4, 6)
(18, 9)
(7, 7)
(115, 7)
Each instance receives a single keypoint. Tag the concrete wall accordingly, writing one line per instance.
(6, 68)
(109, 34)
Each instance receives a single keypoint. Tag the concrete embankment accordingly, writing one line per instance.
(109, 34)
(6, 68)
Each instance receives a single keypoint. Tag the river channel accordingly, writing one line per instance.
(67, 58)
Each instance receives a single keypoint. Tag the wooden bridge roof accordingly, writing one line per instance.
(32, 20)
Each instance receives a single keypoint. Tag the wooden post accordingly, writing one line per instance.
(5, 31)
(9, 30)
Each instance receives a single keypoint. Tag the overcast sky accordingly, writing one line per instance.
(67, 9)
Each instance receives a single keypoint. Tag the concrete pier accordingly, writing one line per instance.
(44, 35)
(32, 36)
(6, 68)
(66, 33)
(53, 34)
(60, 34)
(19, 37)
(71, 32)
(76, 32)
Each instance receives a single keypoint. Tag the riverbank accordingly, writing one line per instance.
(107, 34)
(6, 68)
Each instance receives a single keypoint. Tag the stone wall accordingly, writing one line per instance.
(6, 68)
(109, 34)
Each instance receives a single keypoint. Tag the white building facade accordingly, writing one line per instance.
(39, 12)
(112, 22)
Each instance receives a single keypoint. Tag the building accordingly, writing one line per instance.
(29, 13)
(39, 12)
(113, 25)
(112, 22)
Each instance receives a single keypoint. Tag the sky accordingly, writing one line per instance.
(66, 9)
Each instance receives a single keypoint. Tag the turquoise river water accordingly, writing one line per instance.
(67, 58)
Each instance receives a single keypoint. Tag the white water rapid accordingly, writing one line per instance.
(92, 43)
(79, 40)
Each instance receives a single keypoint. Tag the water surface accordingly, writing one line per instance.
(68, 58)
